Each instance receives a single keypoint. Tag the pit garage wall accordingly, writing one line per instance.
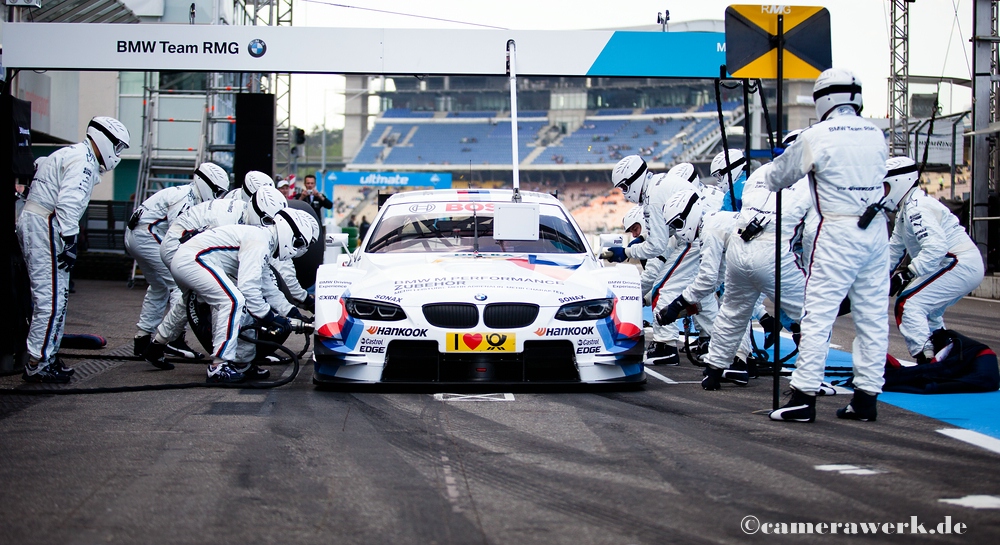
(63, 104)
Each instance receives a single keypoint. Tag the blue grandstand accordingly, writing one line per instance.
(417, 138)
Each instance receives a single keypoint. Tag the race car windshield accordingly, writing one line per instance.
(452, 227)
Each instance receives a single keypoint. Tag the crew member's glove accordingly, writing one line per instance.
(615, 254)
(637, 240)
(679, 308)
(309, 303)
(899, 281)
(294, 314)
(767, 322)
(776, 151)
(67, 258)
(279, 325)
(796, 333)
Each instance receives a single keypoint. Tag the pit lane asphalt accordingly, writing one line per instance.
(663, 464)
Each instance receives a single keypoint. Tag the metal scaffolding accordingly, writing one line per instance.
(984, 114)
(273, 13)
(899, 74)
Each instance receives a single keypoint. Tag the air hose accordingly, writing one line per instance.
(257, 385)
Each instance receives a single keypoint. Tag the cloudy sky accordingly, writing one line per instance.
(939, 30)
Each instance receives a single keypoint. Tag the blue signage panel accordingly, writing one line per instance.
(436, 180)
(662, 54)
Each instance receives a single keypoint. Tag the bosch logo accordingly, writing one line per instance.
(257, 48)
(422, 208)
(480, 297)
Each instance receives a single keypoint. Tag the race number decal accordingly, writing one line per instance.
(480, 342)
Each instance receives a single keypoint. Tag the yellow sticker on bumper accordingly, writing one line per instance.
(480, 342)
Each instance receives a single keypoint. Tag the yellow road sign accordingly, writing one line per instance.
(752, 41)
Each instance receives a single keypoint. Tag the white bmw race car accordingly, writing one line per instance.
(431, 296)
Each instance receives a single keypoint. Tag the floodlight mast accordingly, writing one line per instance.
(512, 74)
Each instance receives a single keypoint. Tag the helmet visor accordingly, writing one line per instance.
(119, 145)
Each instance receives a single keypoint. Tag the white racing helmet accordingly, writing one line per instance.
(296, 230)
(902, 175)
(264, 206)
(210, 181)
(719, 169)
(633, 216)
(791, 137)
(110, 138)
(836, 87)
(629, 175)
(253, 181)
(683, 213)
(686, 171)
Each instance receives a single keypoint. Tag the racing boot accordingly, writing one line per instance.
(662, 354)
(223, 373)
(826, 389)
(862, 407)
(800, 408)
(252, 372)
(140, 342)
(702, 347)
(737, 373)
(155, 355)
(179, 348)
(48, 374)
(59, 366)
(713, 378)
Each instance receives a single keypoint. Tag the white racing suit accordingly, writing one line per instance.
(750, 265)
(944, 261)
(142, 242)
(844, 158)
(203, 217)
(700, 291)
(713, 197)
(681, 260)
(239, 194)
(57, 200)
(227, 267)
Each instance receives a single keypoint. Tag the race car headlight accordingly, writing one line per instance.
(373, 310)
(595, 309)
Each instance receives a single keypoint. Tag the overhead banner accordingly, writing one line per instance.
(752, 40)
(436, 180)
(939, 152)
(225, 48)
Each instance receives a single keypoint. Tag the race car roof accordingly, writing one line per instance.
(486, 195)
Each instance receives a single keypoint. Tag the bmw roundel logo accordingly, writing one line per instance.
(480, 297)
(257, 48)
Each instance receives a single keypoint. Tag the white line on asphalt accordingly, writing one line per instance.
(656, 375)
(975, 501)
(981, 299)
(474, 397)
(973, 437)
(846, 469)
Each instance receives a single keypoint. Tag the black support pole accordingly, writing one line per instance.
(776, 394)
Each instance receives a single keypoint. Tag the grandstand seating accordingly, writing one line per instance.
(404, 137)
(446, 143)
(405, 112)
(615, 111)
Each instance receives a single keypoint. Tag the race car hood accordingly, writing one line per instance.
(422, 278)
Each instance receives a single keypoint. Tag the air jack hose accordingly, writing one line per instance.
(259, 385)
